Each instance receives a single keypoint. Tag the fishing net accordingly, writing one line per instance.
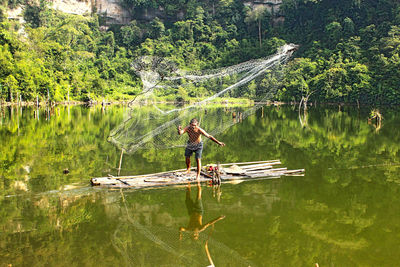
(156, 127)
(155, 245)
(141, 245)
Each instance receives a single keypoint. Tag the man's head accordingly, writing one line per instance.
(194, 122)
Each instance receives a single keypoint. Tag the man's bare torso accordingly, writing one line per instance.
(194, 134)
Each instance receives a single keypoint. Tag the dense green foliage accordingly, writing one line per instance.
(349, 50)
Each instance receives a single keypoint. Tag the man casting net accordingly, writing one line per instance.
(155, 127)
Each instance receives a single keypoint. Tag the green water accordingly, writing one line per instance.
(345, 211)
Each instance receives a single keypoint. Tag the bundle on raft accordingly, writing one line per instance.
(215, 173)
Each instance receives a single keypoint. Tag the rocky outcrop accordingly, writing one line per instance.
(271, 5)
(148, 14)
(115, 13)
(111, 9)
(16, 14)
(72, 6)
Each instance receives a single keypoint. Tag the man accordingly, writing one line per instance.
(195, 144)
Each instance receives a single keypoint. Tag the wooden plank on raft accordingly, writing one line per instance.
(267, 170)
(103, 181)
(257, 168)
(149, 174)
(250, 162)
(279, 173)
(124, 182)
(260, 165)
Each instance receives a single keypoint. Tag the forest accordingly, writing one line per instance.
(348, 49)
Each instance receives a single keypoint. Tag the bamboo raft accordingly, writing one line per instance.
(212, 172)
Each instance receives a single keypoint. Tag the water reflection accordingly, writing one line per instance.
(195, 210)
(344, 211)
(195, 225)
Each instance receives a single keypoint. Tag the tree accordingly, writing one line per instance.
(348, 27)
(182, 30)
(157, 28)
(368, 36)
(107, 44)
(131, 35)
(2, 14)
(301, 79)
(10, 85)
(31, 15)
(256, 14)
(6, 61)
(34, 13)
(334, 33)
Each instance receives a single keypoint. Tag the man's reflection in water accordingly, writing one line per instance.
(195, 210)
(195, 225)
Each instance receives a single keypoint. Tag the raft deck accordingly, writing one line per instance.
(227, 172)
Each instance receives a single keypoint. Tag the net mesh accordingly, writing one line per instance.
(150, 245)
(139, 245)
(156, 127)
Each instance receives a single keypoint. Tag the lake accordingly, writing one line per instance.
(345, 210)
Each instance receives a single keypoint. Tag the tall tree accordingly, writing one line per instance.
(257, 14)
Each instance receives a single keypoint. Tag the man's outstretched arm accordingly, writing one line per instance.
(211, 223)
(216, 141)
(211, 138)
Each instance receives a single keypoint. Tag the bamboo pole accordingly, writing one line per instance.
(120, 161)
(257, 168)
(266, 171)
(278, 173)
(250, 162)
(144, 175)
(259, 165)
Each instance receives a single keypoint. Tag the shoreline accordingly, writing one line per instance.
(115, 102)
(145, 103)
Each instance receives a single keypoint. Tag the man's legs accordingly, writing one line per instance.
(199, 151)
(198, 167)
(188, 164)
(188, 153)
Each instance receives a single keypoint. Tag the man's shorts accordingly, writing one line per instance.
(194, 206)
(197, 149)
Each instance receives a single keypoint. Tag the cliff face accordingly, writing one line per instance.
(112, 9)
(271, 5)
(116, 14)
(72, 6)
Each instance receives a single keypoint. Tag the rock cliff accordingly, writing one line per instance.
(111, 9)
(271, 5)
(117, 14)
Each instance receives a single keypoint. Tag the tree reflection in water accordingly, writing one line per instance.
(343, 212)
